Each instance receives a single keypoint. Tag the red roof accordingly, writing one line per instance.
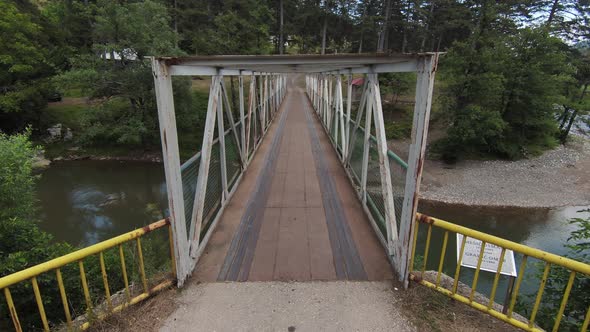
(358, 81)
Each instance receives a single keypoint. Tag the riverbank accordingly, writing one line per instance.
(559, 177)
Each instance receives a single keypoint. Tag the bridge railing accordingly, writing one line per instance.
(59, 274)
(577, 274)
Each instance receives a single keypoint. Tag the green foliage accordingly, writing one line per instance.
(475, 130)
(23, 245)
(17, 185)
(501, 94)
(578, 301)
(24, 67)
(125, 112)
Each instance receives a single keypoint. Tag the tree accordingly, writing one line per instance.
(24, 68)
(118, 75)
(22, 243)
(575, 101)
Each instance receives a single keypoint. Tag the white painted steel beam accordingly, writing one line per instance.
(384, 171)
(424, 87)
(171, 157)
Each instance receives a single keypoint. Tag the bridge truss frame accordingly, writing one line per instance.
(267, 75)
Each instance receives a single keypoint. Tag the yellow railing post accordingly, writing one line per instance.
(12, 309)
(539, 294)
(64, 298)
(142, 267)
(124, 272)
(105, 281)
(39, 301)
(566, 295)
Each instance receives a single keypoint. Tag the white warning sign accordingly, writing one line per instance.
(491, 256)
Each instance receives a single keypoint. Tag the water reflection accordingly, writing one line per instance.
(84, 202)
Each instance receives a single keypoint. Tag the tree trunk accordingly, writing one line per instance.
(385, 28)
(361, 43)
(427, 27)
(564, 116)
(281, 40)
(175, 24)
(566, 132)
(324, 30)
(552, 13)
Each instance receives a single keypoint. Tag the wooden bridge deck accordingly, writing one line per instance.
(295, 215)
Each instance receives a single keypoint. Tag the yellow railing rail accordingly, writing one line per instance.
(574, 267)
(77, 257)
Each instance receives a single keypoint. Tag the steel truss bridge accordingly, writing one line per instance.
(295, 181)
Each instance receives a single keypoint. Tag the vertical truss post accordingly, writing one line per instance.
(201, 190)
(261, 94)
(348, 117)
(367, 143)
(171, 157)
(424, 86)
(251, 114)
(326, 100)
(221, 136)
(340, 116)
(244, 150)
(266, 98)
(386, 185)
(330, 105)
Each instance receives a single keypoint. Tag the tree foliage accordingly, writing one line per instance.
(578, 301)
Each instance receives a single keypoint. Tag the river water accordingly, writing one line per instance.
(84, 202)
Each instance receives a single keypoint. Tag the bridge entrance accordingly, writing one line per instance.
(297, 183)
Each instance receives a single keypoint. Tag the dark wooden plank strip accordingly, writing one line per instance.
(338, 227)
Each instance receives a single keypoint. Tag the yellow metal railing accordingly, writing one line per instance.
(574, 267)
(77, 257)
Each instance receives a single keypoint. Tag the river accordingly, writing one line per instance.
(84, 202)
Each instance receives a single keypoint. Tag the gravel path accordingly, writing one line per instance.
(289, 306)
(557, 178)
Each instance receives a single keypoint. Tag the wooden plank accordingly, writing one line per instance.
(171, 157)
(424, 87)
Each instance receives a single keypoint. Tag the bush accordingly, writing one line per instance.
(475, 130)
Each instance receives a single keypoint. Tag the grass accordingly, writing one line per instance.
(68, 115)
(430, 310)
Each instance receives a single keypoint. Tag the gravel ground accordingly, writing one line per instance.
(289, 306)
(557, 178)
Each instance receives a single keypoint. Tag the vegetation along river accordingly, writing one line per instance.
(84, 202)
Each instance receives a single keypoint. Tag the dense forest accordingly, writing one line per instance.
(512, 83)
